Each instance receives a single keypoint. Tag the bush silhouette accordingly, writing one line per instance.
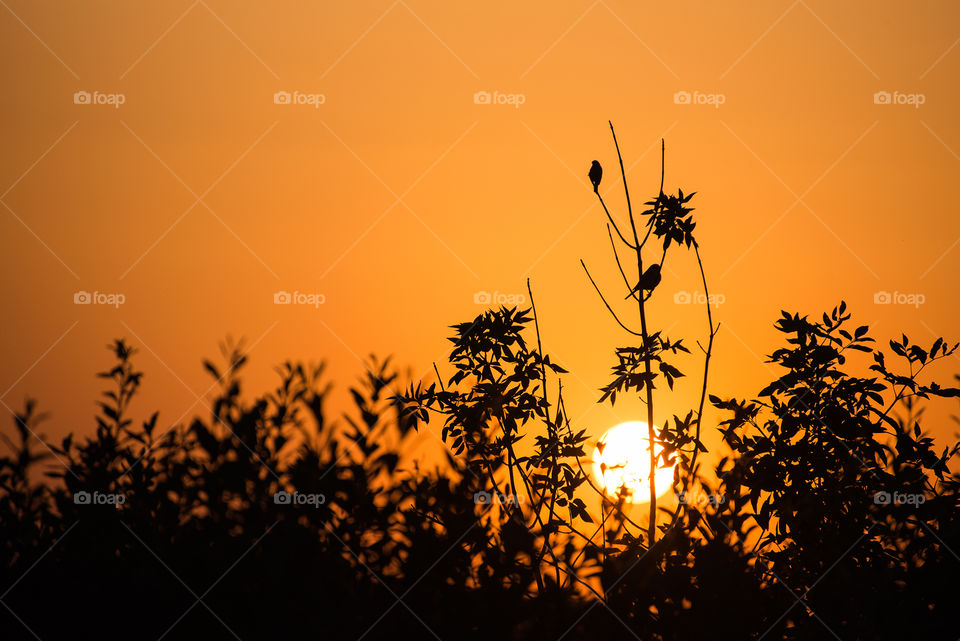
(831, 514)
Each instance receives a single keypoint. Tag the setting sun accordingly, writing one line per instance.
(625, 463)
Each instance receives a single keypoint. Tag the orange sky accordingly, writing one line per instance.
(399, 198)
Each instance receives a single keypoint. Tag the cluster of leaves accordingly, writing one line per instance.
(496, 393)
(193, 541)
(670, 219)
(843, 496)
(629, 375)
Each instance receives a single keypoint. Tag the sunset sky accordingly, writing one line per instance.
(396, 197)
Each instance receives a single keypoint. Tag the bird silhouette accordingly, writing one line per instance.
(649, 280)
(596, 173)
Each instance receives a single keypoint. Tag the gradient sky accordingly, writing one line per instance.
(400, 198)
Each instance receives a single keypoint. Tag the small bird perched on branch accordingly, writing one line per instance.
(596, 173)
(649, 280)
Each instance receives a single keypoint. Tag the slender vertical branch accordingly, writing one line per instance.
(652, 528)
(703, 387)
(656, 204)
(663, 152)
(552, 431)
(706, 365)
(623, 174)
(536, 326)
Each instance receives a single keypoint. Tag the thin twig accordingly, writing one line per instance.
(626, 282)
(610, 309)
(610, 218)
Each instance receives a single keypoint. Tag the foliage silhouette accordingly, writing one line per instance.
(831, 513)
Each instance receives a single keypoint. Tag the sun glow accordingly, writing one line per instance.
(622, 460)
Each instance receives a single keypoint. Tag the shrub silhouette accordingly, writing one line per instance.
(832, 513)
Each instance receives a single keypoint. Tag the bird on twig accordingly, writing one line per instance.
(596, 173)
(649, 280)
